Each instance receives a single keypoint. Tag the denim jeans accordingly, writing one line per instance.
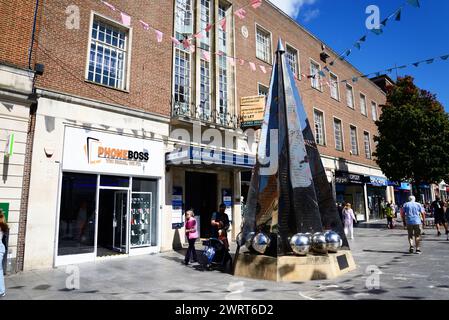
(2, 278)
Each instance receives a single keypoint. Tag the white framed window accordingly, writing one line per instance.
(292, 58)
(184, 17)
(374, 110)
(354, 141)
(350, 96)
(205, 92)
(315, 79)
(205, 20)
(335, 91)
(319, 127)
(182, 83)
(262, 90)
(338, 133)
(222, 68)
(363, 108)
(263, 44)
(367, 143)
(108, 54)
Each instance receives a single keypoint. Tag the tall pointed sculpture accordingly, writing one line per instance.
(290, 202)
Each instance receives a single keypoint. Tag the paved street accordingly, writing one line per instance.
(163, 276)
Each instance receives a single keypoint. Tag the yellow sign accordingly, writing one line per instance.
(252, 111)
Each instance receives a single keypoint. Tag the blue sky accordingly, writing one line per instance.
(422, 33)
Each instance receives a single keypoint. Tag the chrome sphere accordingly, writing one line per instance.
(261, 242)
(319, 243)
(249, 240)
(300, 244)
(333, 241)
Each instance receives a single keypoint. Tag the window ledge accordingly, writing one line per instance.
(107, 87)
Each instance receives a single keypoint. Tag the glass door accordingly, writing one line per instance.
(119, 223)
(141, 218)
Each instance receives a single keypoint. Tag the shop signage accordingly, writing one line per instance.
(378, 181)
(177, 216)
(252, 111)
(9, 151)
(100, 152)
(5, 208)
(346, 177)
(227, 201)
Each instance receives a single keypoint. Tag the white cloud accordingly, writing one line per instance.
(310, 15)
(292, 7)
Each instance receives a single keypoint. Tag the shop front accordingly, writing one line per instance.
(350, 188)
(402, 191)
(109, 196)
(377, 196)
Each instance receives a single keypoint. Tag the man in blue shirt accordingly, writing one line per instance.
(413, 212)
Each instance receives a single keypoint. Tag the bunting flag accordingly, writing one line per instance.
(256, 3)
(175, 41)
(430, 61)
(126, 19)
(398, 15)
(444, 57)
(416, 64)
(208, 28)
(144, 25)
(223, 24)
(326, 68)
(110, 6)
(348, 52)
(252, 66)
(206, 55)
(402, 67)
(231, 61)
(384, 23)
(377, 31)
(192, 48)
(355, 79)
(362, 39)
(186, 43)
(413, 3)
(159, 36)
(199, 35)
(242, 62)
(241, 13)
(357, 45)
(263, 69)
(220, 53)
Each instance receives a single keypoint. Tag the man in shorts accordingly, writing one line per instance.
(413, 212)
(439, 215)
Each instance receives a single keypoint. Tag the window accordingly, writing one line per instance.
(182, 77)
(367, 142)
(292, 59)
(184, 17)
(263, 91)
(363, 104)
(349, 97)
(374, 110)
(335, 92)
(205, 20)
(205, 94)
(338, 132)
(319, 127)
(354, 141)
(315, 76)
(222, 69)
(263, 44)
(108, 55)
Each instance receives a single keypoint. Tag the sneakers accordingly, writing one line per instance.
(411, 250)
(418, 251)
(439, 233)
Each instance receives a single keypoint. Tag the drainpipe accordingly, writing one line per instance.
(30, 51)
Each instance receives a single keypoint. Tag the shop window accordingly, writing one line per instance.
(117, 182)
(77, 214)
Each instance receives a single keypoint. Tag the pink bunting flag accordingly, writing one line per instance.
(223, 24)
(110, 6)
(192, 48)
(256, 3)
(241, 13)
(263, 69)
(242, 62)
(252, 65)
(220, 53)
(126, 20)
(175, 41)
(231, 61)
(145, 25)
(159, 36)
(208, 28)
(206, 56)
(186, 43)
(198, 35)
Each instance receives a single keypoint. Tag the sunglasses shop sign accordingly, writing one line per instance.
(100, 152)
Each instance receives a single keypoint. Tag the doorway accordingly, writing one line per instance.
(112, 222)
(201, 196)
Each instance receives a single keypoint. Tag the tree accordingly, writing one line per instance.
(413, 140)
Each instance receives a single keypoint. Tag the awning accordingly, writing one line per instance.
(378, 181)
(201, 156)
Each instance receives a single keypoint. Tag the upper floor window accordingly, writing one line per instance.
(262, 90)
(319, 127)
(182, 78)
(335, 92)
(350, 97)
(292, 59)
(108, 54)
(315, 76)
(184, 17)
(205, 21)
(374, 110)
(363, 104)
(367, 142)
(354, 141)
(263, 44)
(338, 132)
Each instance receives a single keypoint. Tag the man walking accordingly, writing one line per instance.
(438, 213)
(412, 213)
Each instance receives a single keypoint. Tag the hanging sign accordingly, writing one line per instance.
(177, 219)
(227, 201)
(10, 146)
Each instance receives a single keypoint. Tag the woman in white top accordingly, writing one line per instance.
(3, 230)
(348, 220)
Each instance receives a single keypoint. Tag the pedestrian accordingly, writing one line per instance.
(439, 215)
(349, 219)
(413, 214)
(4, 229)
(192, 236)
(390, 216)
(220, 225)
(340, 211)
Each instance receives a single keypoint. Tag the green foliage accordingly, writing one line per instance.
(413, 141)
